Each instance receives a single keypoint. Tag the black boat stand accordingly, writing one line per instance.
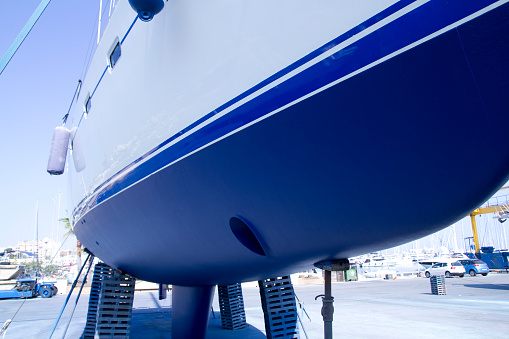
(327, 299)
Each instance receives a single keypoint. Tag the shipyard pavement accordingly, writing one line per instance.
(473, 307)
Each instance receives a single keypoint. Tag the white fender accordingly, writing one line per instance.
(77, 153)
(58, 152)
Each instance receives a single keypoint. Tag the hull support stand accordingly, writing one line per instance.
(231, 303)
(327, 299)
(190, 311)
(110, 304)
(279, 307)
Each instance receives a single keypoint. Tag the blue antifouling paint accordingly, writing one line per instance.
(146, 9)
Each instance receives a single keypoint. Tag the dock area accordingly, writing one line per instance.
(473, 307)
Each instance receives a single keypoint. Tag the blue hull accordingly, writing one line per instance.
(391, 154)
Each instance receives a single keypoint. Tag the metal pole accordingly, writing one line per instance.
(302, 326)
(79, 294)
(474, 231)
(68, 296)
(327, 307)
(100, 21)
(37, 235)
(23, 34)
(327, 300)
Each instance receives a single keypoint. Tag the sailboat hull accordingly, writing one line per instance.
(382, 143)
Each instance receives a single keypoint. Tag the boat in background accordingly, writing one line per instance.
(495, 259)
(394, 265)
(222, 142)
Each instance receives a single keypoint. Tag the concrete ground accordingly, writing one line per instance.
(474, 307)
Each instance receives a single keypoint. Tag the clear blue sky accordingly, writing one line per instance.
(35, 92)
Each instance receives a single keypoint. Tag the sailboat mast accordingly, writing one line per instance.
(37, 231)
(100, 21)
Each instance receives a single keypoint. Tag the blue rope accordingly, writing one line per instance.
(23, 34)
(78, 297)
(68, 296)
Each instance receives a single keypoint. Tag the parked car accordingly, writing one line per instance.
(447, 268)
(427, 263)
(475, 266)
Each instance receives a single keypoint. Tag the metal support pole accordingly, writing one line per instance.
(327, 307)
(23, 34)
(68, 296)
(91, 258)
(163, 291)
(474, 231)
(327, 299)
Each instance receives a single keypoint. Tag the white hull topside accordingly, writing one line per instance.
(189, 60)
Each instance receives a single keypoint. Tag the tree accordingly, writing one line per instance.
(33, 269)
(37, 269)
(70, 231)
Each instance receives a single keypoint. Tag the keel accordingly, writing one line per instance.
(191, 311)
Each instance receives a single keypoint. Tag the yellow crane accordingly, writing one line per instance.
(500, 209)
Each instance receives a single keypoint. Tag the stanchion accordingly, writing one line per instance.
(327, 299)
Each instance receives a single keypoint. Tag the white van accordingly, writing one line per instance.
(447, 268)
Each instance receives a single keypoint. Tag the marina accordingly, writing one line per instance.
(474, 307)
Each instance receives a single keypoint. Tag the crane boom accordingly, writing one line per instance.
(484, 210)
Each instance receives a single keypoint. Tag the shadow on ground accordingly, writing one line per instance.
(156, 323)
(489, 286)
